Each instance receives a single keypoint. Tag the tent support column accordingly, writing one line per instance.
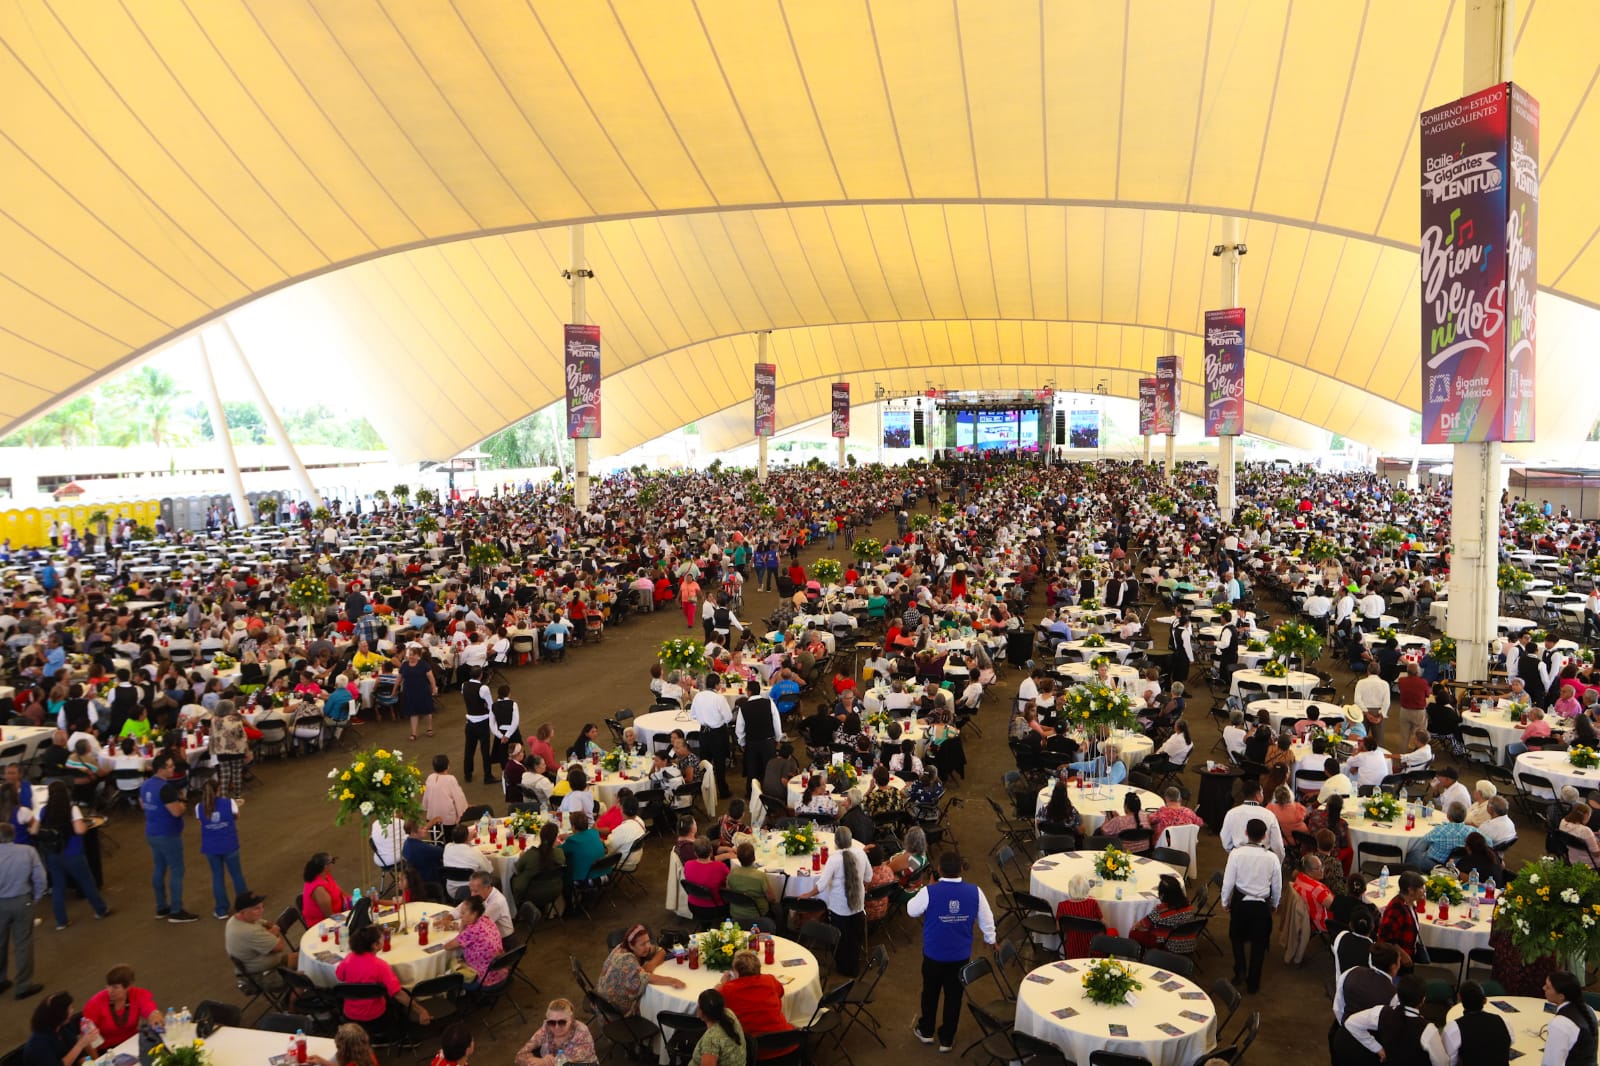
(761, 440)
(274, 423)
(1230, 298)
(243, 515)
(580, 316)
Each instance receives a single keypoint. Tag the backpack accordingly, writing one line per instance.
(49, 841)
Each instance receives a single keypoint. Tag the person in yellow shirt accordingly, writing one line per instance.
(365, 657)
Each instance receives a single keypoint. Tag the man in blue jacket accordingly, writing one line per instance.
(949, 908)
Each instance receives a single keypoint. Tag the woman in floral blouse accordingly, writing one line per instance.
(561, 1035)
(479, 943)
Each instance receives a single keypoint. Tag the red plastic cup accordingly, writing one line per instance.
(494, 834)
(816, 861)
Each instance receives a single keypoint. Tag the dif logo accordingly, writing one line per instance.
(1449, 420)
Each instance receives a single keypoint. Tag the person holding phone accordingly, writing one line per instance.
(561, 1034)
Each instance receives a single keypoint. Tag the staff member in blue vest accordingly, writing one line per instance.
(948, 908)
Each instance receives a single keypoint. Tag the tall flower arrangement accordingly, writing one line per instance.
(683, 653)
(378, 786)
(827, 571)
(1093, 705)
(1296, 640)
(867, 549)
(308, 592)
(1551, 906)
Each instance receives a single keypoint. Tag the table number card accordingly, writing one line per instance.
(1064, 1013)
(1192, 995)
(1193, 1016)
(1160, 975)
(1066, 967)
(1169, 1029)
(1041, 979)
(1172, 986)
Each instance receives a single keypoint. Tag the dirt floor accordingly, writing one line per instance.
(286, 817)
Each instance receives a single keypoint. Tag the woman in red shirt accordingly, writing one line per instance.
(320, 897)
(756, 999)
(117, 1009)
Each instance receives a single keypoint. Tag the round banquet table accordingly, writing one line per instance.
(1126, 677)
(1284, 711)
(1557, 767)
(1050, 875)
(1297, 681)
(1111, 649)
(605, 784)
(1458, 933)
(233, 1046)
(796, 791)
(802, 985)
(1525, 1016)
(411, 963)
(1132, 748)
(1504, 729)
(790, 875)
(1052, 1006)
(1092, 803)
(1403, 640)
(647, 726)
(1364, 830)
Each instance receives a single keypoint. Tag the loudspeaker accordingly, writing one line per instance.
(1061, 427)
(916, 427)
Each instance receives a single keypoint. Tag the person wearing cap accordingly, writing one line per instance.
(631, 967)
(1448, 789)
(257, 945)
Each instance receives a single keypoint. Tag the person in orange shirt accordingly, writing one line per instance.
(689, 599)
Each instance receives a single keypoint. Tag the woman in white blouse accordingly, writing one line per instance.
(1178, 745)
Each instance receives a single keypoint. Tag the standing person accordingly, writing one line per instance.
(230, 747)
(1571, 1034)
(161, 798)
(443, 802)
(689, 598)
(757, 728)
(505, 727)
(1414, 695)
(1371, 694)
(1398, 1034)
(59, 839)
(843, 885)
(219, 843)
(418, 687)
(22, 884)
(948, 908)
(710, 708)
(475, 697)
(1251, 886)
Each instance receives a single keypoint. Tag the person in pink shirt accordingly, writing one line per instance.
(363, 966)
(479, 943)
(1567, 706)
(1536, 727)
(1173, 813)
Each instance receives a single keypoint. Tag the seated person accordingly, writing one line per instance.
(706, 875)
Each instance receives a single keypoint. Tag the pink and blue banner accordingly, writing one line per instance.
(1224, 372)
(1169, 376)
(1147, 407)
(766, 399)
(1480, 208)
(583, 381)
(841, 408)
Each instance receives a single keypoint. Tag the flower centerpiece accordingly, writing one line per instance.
(192, 1054)
(1388, 536)
(1296, 640)
(867, 549)
(1586, 655)
(827, 571)
(483, 554)
(1538, 637)
(1256, 645)
(1094, 640)
(378, 786)
(1551, 906)
(221, 662)
(308, 592)
(1387, 633)
(1381, 807)
(1248, 518)
(799, 839)
(1321, 550)
(1511, 579)
(683, 653)
(613, 760)
(1162, 505)
(1558, 590)
(1444, 649)
(1583, 757)
(719, 944)
(842, 777)
(1094, 705)
(1275, 668)
(877, 721)
(1098, 661)
(1113, 864)
(1108, 983)
(920, 521)
(519, 822)
(1442, 886)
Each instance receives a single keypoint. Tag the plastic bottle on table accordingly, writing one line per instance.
(299, 1045)
(1383, 881)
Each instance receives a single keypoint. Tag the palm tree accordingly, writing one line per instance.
(71, 423)
(151, 405)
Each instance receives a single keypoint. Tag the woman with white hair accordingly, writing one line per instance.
(1078, 905)
(1479, 812)
(843, 886)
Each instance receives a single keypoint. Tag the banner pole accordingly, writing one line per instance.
(580, 316)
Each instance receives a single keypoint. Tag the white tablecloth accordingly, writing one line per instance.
(1050, 875)
(1112, 649)
(1557, 767)
(1092, 803)
(646, 726)
(35, 737)
(1404, 640)
(1132, 748)
(802, 985)
(1504, 729)
(1297, 681)
(605, 784)
(1526, 1019)
(796, 790)
(1126, 677)
(1281, 711)
(411, 963)
(1364, 831)
(1050, 991)
(1459, 933)
(242, 1047)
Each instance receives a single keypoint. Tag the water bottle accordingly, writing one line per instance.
(1488, 889)
(290, 1055)
(483, 827)
(1473, 888)
(169, 1020)
(1383, 881)
(561, 1057)
(299, 1045)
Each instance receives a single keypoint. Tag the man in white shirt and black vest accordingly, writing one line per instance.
(475, 695)
(1398, 1035)
(758, 730)
(948, 908)
(1571, 1035)
(1251, 886)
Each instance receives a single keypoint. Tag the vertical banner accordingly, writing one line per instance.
(1169, 373)
(583, 381)
(841, 408)
(1224, 372)
(1147, 406)
(766, 399)
(1478, 240)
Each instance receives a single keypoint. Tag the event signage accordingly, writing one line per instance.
(841, 408)
(766, 399)
(583, 381)
(1224, 372)
(1147, 406)
(1480, 216)
(1169, 373)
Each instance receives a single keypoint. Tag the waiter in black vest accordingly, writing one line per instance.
(758, 728)
(475, 695)
(1361, 987)
(1477, 1038)
(1400, 1035)
(505, 725)
(1571, 1034)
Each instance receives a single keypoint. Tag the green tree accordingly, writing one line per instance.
(148, 405)
(71, 423)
